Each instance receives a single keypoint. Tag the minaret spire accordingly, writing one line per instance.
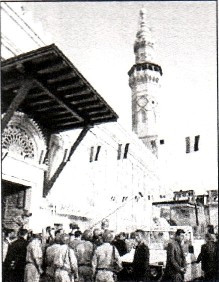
(144, 80)
(144, 43)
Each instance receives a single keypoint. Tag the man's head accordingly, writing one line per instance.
(97, 233)
(78, 234)
(139, 236)
(37, 236)
(64, 239)
(50, 231)
(87, 235)
(179, 235)
(9, 234)
(122, 236)
(22, 233)
(58, 233)
(210, 237)
(108, 236)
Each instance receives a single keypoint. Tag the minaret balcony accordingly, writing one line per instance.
(145, 66)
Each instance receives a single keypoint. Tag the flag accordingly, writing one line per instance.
(192, 144)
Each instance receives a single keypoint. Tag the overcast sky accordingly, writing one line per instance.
(98, 38)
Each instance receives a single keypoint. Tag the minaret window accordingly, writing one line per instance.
(192, 144)
(91, 153)
(187, 145)
(119, 151)
(143, 115)
(126, 151)
(153, 144)
(97, 153)
(196, 142)
(142, 55)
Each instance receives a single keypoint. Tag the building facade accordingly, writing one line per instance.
(111, 175)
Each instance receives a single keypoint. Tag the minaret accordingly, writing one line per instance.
(144, 80)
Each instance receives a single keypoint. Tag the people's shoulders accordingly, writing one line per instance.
(84, 243)
(143, 246)
(172, 244)
(73, 244)
(88, 243)
(53, 247)
(103, 248)
(17, 243)
(63, 248)
(99, 248)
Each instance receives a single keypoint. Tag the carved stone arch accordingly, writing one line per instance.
(24, 139)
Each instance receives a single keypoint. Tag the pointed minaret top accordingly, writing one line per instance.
(144, 31)
(144, 41)
(142, 17)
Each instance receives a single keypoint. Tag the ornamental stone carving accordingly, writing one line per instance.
(23, 139)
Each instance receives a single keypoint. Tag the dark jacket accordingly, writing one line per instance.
(121, 247)
(15, 260)
(141, 262)
(209, 259)
(175, 262)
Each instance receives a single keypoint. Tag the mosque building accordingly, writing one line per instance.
(65, 157)
(56, 166)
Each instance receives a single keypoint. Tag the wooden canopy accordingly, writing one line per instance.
(45, 85)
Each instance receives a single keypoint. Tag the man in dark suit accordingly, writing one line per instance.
(120, 244)
(15, 260)
(141, 258)
(176, 263)
(209, 258)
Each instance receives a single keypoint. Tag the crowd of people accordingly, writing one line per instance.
(94, 255)
(59, 256)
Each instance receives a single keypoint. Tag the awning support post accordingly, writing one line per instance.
(49, 183)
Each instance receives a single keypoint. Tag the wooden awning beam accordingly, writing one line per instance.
(60, 78)
(18, 99)
(37, 82)
(76, 84)
(71, 94)
(11, 85)
(55, 68)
